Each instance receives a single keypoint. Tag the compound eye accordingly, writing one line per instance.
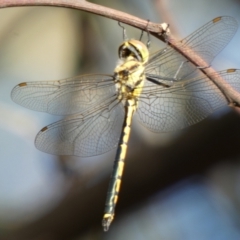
(135, 49)
(140, 49)
(124, 52)
(125, 72)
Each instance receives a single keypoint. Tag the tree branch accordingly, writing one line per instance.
(154, 29)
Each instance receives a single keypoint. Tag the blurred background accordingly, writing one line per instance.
(42, 196)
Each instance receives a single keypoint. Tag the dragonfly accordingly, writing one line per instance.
(99, 108)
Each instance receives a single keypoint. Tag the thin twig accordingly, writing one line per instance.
(153, 28)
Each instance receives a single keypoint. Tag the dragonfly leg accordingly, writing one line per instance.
(124, 31)
(181, 65)
(166, 32)
(148, 41)
(179, 68)
(203, 67)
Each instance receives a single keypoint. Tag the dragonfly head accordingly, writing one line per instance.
(135, 49)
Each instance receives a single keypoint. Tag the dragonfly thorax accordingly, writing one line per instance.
(129, 73)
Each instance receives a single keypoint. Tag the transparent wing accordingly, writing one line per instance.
(163, 109)
(206, 42)
(79, 135)
(68, 96)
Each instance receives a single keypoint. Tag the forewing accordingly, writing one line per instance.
(163, 109)
(68, 96)
(93, 134)
(206, 42)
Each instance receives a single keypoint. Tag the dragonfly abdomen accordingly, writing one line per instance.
(116, 177)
